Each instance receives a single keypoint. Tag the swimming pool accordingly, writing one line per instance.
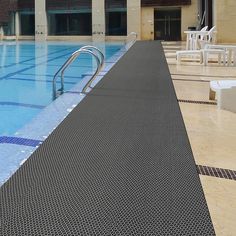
(26, 73)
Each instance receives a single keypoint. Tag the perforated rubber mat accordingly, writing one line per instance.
(119, 164)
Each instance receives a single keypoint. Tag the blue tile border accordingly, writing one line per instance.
(20, 141)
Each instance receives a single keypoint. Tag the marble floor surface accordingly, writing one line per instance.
(212, 132)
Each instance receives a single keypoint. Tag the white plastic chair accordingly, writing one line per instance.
(208, 38)
(204, 29)
(193, 38)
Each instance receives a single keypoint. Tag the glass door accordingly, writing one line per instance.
(167, 24)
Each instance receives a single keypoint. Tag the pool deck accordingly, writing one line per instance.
(212, 134)
(119, 164)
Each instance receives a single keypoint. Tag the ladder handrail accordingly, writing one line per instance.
(102, 60)
(62, 69)
(64, 66)
(89, 47)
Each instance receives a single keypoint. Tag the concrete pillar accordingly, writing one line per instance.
(224, 19)
(40, 20)
(147, 23)
(17, 25)
(98, 19)
(1, 33)
(189, 17)
(134, 17)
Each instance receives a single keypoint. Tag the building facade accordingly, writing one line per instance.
(114, 19)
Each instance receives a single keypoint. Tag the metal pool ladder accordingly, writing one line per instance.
(87, 50)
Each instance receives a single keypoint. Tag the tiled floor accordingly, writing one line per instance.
(212, 133)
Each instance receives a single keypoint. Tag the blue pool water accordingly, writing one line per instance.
(26, 73)
(28, 113)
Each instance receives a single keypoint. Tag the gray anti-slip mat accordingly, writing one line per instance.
(119, 164)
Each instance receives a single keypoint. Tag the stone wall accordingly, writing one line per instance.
(225, 20)
(147, 23)
(6, 6)
(189, 17)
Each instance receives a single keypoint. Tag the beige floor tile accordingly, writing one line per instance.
(202, 77)
(192, 90)
(198, 70)
(212, 135)
(221, 199)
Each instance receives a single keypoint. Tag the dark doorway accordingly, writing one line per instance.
(167, 24)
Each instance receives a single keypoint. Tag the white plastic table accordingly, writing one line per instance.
(226, 94)
(217, 85)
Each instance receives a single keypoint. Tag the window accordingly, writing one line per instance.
(9, 29)
(70, 24)
(116, 17)
(27, 23)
